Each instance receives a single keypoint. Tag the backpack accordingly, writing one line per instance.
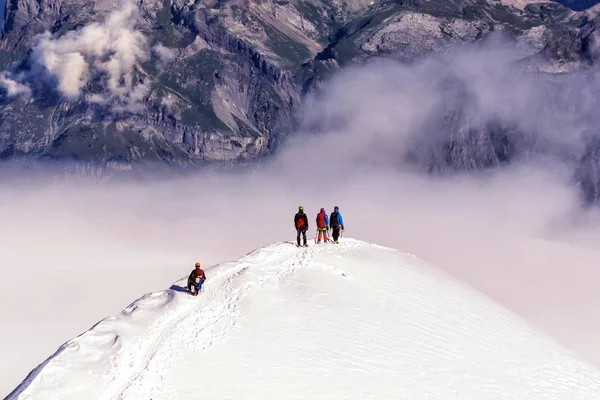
(192, 278)
(195, 276)
(321, 220)
(300, 222)
(333, 220)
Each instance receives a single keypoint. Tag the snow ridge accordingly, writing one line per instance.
(122, 338)
(353, 320)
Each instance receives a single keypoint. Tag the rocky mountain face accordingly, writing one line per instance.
(189, 82)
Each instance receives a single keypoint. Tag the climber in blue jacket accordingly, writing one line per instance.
(336, 222)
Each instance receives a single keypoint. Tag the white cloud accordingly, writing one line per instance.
(96, 99)
(108, 49)
(386, 111)
(163, 52)
(132, 100)
(13, 87)
(71, 70)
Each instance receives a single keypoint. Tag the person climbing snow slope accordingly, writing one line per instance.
(322, 225)
(195, 280)
(301, 224)
(336, 223)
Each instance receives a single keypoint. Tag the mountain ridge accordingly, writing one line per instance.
(220, 82)
(268, 312)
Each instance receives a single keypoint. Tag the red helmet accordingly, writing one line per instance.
(322, 209)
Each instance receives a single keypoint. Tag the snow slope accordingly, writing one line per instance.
(352, 321)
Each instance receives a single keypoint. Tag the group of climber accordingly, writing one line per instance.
(324, 223)
(335, 222)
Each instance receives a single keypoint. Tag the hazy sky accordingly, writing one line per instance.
(75, 252)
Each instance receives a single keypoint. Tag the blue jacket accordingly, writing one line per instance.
(340, 220)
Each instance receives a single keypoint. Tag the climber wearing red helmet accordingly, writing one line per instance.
(195, 280)
(322, 225)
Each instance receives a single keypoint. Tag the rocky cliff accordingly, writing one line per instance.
(183, 83)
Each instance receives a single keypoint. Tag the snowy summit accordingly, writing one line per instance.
(348, 321)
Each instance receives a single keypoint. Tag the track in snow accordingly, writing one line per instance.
(206, 319)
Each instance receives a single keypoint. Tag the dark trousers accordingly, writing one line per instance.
(303, 232)
(336, 233)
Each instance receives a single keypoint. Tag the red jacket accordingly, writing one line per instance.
(321, 221)
(196, 273)
(200, 273)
